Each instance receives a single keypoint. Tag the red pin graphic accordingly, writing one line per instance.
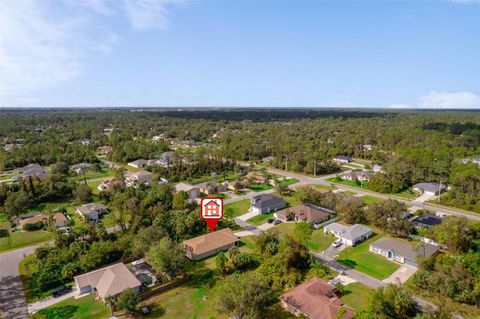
(211, 211)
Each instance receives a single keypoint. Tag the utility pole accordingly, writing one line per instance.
(286, 162)
(315, 168)
(439, 191)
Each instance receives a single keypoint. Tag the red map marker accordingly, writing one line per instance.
(211, 211)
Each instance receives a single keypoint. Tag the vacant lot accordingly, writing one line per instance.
(20, 239)
(356, 296)
(237, 208)
(71, 308)
(318, 241)
(371, 199)
(359, 258)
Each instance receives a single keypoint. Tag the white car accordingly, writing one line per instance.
(337, 243)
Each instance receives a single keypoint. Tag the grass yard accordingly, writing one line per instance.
(371, 199)
(21, 239)
(237, 208)
(289, 180)
(319, 186)
(90, 174)
(259, 187)
(260, 219)
(356, 296)
(406, 194)
(3, 217)
(247, 243)
(71, 308)
(318, 241)
(360, 258)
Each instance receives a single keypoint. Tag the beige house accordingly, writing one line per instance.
(209, 244)
(192, 191)
(138, 178)
(59, 219)
(91, 212)
(108, 281)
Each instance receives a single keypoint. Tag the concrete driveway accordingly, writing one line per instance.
(331, 252)
(12, 299)
(401, 275)
(247, 216)
(47, 302)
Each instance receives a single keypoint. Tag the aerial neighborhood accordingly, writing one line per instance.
(318, 221)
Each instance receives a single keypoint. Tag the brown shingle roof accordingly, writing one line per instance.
(109, 281)
(211, 241)
(314, 299)
(307, 212)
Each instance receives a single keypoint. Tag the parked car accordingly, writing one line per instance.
(270, 220)
(337, 243)
(277, 221)
(57, 292)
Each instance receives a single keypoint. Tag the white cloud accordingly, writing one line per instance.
(462, 1)
(149, 14)
(449, 100)
(36, 51)
(444, 100)
(43, 43)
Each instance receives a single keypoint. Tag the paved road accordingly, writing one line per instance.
(12, 299)
(323, 180)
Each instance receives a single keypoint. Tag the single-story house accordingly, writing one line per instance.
(315, 299)
(231, 185)
(429, 188)
(10, 147)
(367, 147)
(304, 213)
(377, 169)
(104, 149)
(140, 163)
(32, 171)
(138, 178)
(211, 188)
(209, 244)
(401, 251)
(342, 159)
(91, 212)
(192, 191)
(107, 281)
(357, 176)
(80, 168)
(257, 177)
(266, 203)
(349, 235)
(426, 220)
(268, 159)
(59, 219)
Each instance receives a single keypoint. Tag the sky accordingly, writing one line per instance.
(251, 53)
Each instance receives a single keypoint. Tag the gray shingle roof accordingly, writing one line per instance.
(267, 200)
(404, 249)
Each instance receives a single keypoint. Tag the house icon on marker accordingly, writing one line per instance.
(212, 208)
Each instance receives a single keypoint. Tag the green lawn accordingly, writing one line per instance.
(20, 239)
(247, 243)
(319, 186)
(407, 194)
(71, 308)
(356, 296)
(237, 208)
(358, 257)
(260, 219)
(259, 187)
(371, 199)
(3, 217)
(289, 181)
(318, 241)
(90, 174)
